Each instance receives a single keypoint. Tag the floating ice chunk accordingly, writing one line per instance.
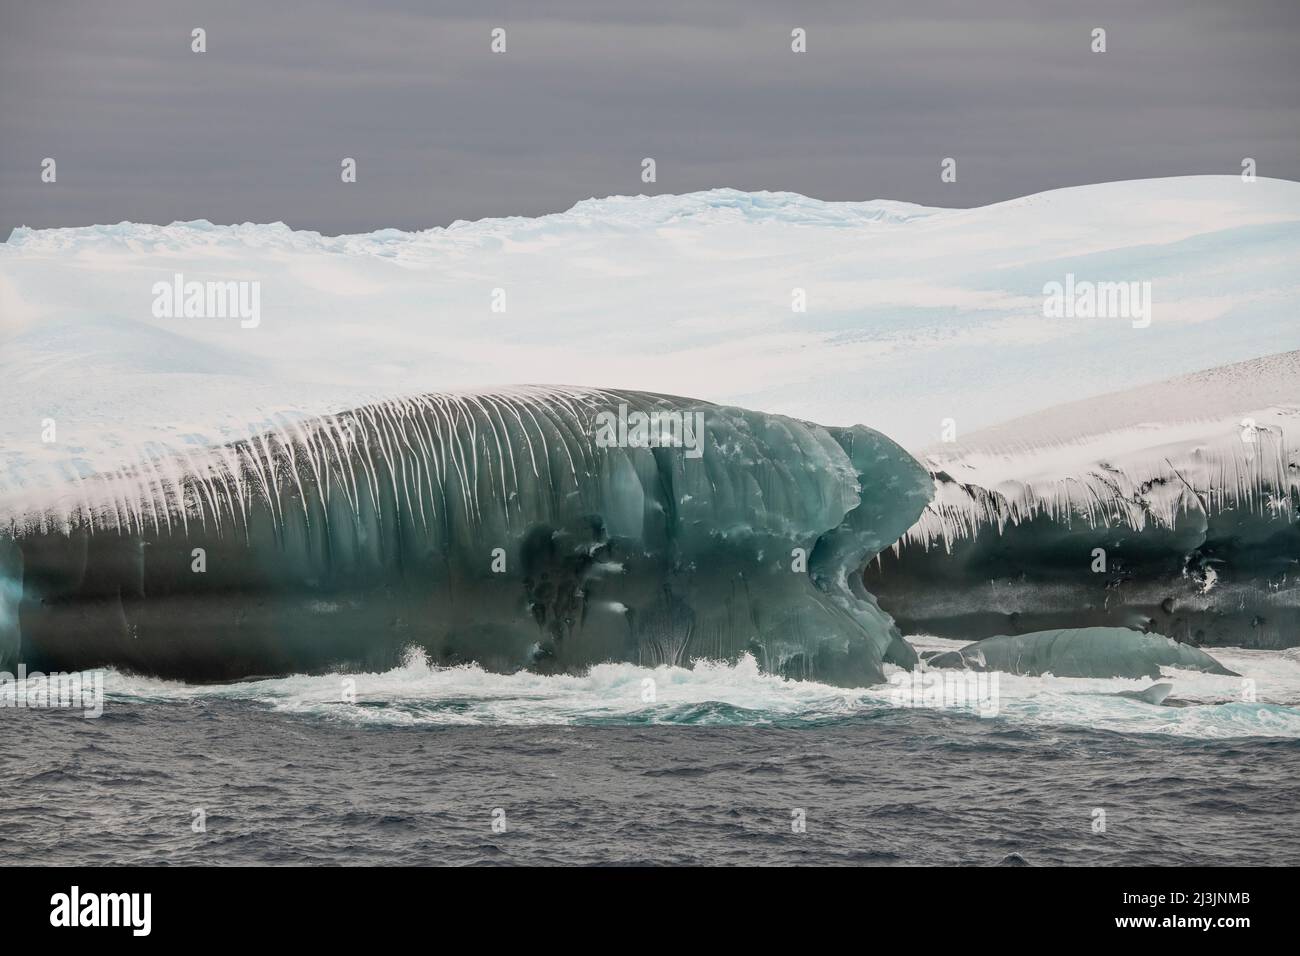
(1080, 652)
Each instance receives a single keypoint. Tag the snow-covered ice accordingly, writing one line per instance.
(914, 315)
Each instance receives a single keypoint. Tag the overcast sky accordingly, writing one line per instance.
(254, 129)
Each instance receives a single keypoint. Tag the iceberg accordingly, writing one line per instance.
(882, 312)
(135, 425)
(507, 528)
(1082, 652)
(1169, 508)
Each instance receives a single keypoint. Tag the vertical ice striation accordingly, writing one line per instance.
(1170, 508)
(500, 527)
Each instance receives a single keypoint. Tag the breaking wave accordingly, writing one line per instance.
(418, 693)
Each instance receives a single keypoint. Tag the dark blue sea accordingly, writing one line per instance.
(625, 765)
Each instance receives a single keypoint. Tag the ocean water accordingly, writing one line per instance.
(715, 764)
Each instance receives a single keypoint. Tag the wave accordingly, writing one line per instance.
(421, 694)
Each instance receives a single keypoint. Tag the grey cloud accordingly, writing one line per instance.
(254, 129)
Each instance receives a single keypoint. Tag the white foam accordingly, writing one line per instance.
(1218, 705)
(418, 693)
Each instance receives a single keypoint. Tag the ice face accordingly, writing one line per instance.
(1080, 652)
(1169, 508)
(837, 312)
(539, 527)
(909, 315)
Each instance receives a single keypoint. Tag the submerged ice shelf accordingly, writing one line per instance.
(1097, 652)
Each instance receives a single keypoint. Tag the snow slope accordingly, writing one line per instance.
(1226, 438)
(1170, 508)
(914, 315)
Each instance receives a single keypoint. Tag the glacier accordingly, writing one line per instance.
(1169, 448)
